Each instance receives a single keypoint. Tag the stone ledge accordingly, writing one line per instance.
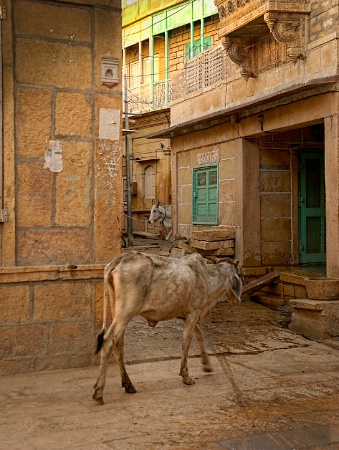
(322, 288)
(315, 319)
(314, 305)
(292, 278)
(23, 274)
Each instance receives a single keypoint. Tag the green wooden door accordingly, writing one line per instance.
(312, 213)
(205, 196)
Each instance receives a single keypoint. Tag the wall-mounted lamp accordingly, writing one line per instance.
(109, 71)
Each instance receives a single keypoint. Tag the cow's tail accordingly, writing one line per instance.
(108, 292)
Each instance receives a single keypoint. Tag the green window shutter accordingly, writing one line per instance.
(195, 49)
(205, 195)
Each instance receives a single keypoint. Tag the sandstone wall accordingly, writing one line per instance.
(64, 214)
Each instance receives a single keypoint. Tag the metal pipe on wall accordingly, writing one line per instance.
(128, 169)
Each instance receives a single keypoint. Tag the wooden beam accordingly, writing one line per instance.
(261, 282)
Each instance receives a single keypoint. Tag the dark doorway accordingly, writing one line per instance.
(312, 213)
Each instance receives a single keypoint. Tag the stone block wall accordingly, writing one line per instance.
(323, 18)
(275, 206)
(64, 214)
(48, 318)
(191, 156)
(61, 214)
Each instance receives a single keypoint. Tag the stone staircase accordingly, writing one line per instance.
(311, 300)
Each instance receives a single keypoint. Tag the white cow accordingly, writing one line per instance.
(162, 214)
(161, 288)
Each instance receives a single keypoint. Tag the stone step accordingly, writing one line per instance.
(269, 300)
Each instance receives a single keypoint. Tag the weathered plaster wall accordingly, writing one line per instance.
(63, 225)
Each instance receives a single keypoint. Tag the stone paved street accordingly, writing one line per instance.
(271, 389)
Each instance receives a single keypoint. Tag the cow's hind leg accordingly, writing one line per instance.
(100, 383)
(187, 338)
(199, 337)
(118, 350)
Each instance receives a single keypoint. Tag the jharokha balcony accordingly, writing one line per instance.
(246, 24)
(254, 36)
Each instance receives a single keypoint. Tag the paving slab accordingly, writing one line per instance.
(271, 389)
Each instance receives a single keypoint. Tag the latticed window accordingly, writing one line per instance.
(205, 69)
(205, 195)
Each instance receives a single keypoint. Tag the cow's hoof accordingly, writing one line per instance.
(208, 369)
(130, 389)
(100, 400)
(189, 381)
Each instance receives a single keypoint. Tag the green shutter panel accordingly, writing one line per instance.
(205, 196)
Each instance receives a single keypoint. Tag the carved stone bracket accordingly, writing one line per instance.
(244, 23)
(289, 29)
(239, 51)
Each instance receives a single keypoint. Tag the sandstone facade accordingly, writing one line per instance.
(272, 118)
(62, 179)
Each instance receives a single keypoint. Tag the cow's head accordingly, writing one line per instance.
(155, 214)
(234, 285)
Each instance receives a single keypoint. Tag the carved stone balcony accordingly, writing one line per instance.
(245, 23)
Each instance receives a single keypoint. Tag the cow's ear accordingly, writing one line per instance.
(236, 262)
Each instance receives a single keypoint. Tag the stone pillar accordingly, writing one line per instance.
(332, 195)
(107, 223)
(247, 238)
(174, 187)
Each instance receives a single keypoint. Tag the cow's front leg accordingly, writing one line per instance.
(118, 349)
(100, 383)
(187, 337)
(199, 337)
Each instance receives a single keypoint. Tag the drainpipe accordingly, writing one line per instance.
(128, 169)
(141, 70)
(151, 53)
(3, 212)
(166, 65)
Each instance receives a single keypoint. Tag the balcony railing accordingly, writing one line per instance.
(140, 98)
(205, 69)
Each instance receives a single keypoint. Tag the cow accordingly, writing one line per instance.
(163, 214)
(161, 288)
